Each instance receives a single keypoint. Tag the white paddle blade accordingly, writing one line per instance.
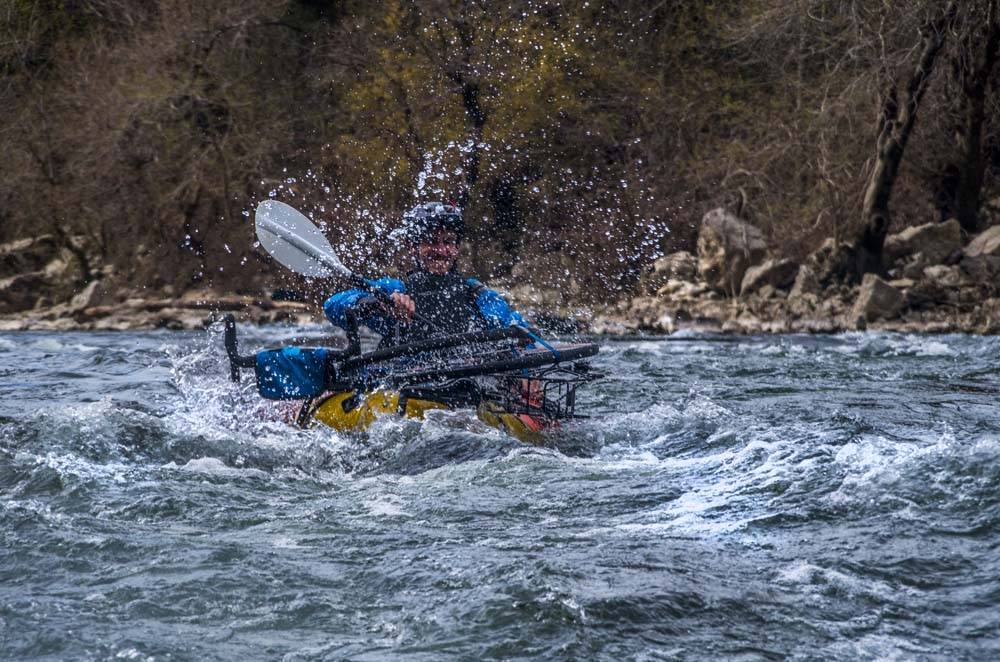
(295, 242)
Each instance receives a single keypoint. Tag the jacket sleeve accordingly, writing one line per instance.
(338, 304)
(495, 310)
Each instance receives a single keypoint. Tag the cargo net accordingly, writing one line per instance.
(548, 392)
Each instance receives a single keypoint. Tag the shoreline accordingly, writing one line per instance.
(755, 316)
(642, 316)
(935, 280)
(190, 312)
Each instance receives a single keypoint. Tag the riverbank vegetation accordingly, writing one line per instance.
(584, 139)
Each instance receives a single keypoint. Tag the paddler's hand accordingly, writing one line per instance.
(403, 307)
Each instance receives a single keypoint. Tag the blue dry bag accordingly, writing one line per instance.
(291, 373)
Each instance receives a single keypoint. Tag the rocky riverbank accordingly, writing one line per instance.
(40, 290)
(937, 281)
(193, 310)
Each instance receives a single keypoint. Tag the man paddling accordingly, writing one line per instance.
(432, 300)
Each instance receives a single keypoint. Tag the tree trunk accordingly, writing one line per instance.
(468, 81)
(895, 126)
(974, 81)
(474, 111)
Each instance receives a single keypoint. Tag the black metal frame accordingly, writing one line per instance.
(559, 372)
(351, 358)
(233, 350)
(499, 364)
(557, 384)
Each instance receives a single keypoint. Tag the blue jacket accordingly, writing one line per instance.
(495, 311)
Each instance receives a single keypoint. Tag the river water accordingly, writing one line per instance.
(824, 497)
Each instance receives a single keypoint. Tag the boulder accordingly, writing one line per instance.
(681, 290)
(986, 243)
(934, 241)
(605, 326)
(806, 282)
(766, 291)
(727, 247)
(991, 212)
(877, 299)
(649, 314)
(680, 266)
(981, 258)
(779, 274)
(90, 296)
(945, 276)
(23, 291)
(833, 306)
(983, 269)
(27, 255)
(911, 266)
(827, 266)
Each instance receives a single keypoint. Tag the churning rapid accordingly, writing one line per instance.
(812, 497)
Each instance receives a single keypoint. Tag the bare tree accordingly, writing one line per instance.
(974, 63)
(895, 125)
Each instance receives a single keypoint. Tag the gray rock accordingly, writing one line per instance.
(805, 283)
(986, 243)
(727, 247)
(828, 265)
(604, 325)
(681, 290)
(982, 268)
(91, 295)
(877, 299)
(766, 291)
(27, 255)
(679, 266)
(934, 241)
(991, 212)
(912, 266)
(649, 314)
(779, 274)
(925, 294)
(981, 258)
(23, 291)
(945, 276)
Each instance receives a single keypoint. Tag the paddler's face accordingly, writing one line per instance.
(438, 251)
